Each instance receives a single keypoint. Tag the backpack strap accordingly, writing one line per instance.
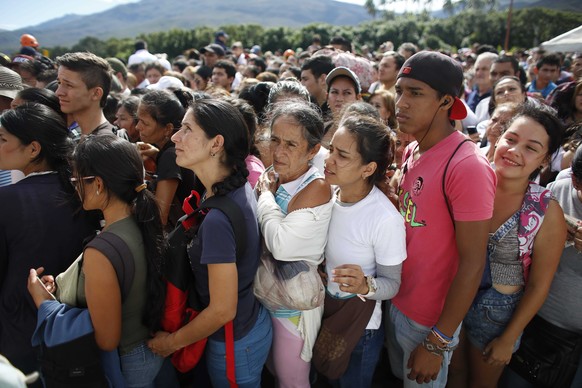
(533, 209)
(234, 214)
(119, 255)
(444, 177)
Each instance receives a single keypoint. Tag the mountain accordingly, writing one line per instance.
(129, 20)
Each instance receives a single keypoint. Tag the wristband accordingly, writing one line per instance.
(439, 334)
(433, 349)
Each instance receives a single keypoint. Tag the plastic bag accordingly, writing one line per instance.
(293, 285)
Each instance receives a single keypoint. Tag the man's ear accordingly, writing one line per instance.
(321, 81)
(97, 93)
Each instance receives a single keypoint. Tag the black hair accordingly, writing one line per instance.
(260, 63)
(217, 117)
(508, 59)
(318, 65)
(228, 67)
(42, 96)
(204, 72)
(258, 96)
(140, 45)
(164, 107)
(305, 115)
(345, 44)
(185, 96)
(37, 122)
(180, 64)
(110, 108)
(486, 48)
(118, 163)
(295, 71)
(374, 141)
(94, 71)
(550, 60)
(250, 117)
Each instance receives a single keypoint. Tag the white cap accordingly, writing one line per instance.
(167, 82)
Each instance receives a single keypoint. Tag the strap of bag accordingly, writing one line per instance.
(236, 218)
(445, 175)
(230, 365)
(120, 256)
(229, 208)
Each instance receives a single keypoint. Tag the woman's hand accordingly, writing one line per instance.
(37, 288)
(351, 279)
(161, 344)
(268, 182)
(147, 150)
(498, 352)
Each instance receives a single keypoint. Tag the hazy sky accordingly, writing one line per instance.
(39, 11)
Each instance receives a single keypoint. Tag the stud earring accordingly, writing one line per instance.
(97, 192)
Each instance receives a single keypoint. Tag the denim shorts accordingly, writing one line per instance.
(488, 318)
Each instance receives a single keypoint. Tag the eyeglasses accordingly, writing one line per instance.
(75, 181)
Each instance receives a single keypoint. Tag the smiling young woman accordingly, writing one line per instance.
(527, 235)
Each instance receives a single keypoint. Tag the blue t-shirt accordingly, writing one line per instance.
(533, 88)
(215, 244)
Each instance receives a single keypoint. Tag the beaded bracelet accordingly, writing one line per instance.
(432, 348)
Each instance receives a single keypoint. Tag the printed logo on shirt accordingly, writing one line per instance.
(417, 186)
(408, 208)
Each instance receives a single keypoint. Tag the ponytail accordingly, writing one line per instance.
(147, 216)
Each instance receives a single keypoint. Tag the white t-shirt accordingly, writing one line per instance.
(141, 56)
(366, 233)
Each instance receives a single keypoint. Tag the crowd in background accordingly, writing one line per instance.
(118, 144)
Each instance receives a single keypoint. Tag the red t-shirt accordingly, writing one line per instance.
(433, 258)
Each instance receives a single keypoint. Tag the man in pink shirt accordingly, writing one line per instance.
(446, 198)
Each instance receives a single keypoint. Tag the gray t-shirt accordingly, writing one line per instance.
(563, 307)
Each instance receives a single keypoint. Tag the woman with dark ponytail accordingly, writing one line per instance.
(40, 225)
(109, 176)
(213, 142)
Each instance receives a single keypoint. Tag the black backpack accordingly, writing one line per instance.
(77, 363)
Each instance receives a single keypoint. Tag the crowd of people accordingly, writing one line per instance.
(435, 196)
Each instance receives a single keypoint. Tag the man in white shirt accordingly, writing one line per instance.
(141, 54)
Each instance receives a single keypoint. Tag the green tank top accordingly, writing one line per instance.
(133, 332)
